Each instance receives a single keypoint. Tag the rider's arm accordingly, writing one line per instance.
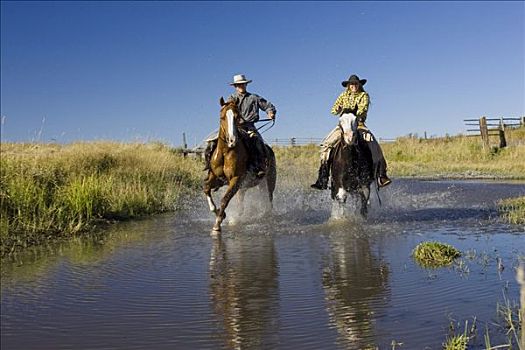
(266, 106)
(362, 106)
(338, 104)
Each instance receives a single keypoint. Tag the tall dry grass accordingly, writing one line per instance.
(457, 156)
(449, 157)
(49, 190)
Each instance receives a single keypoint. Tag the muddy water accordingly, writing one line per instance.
(297, 280)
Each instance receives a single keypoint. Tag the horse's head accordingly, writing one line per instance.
(229, 118)
(348, 125)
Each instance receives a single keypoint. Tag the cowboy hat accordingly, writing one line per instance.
(353, 79)
(240, 79)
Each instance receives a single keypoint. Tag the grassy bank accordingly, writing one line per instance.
(49, 190)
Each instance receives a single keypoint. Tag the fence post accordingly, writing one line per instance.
(484, 132)
(502, 140)
(184, 145)
(292, 141)
(522, 121)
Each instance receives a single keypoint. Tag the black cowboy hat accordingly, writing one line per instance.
(353, 79)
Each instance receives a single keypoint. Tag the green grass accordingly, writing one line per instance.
(49, 190)
(513, 210)
(434, 254)
(457, 342)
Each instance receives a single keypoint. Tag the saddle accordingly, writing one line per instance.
(364, 133)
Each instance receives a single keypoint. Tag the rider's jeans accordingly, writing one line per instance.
(329, 142)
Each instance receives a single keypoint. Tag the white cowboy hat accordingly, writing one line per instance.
(240, 79)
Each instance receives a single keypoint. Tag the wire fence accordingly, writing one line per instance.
(484, 128)
(295, 141)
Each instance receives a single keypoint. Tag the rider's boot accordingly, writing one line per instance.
(259, 167)
(383, 180)
(322, 178)
(259, 159)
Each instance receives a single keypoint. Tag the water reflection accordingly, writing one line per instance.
(355, 284)
(39, 262)
(244, 290)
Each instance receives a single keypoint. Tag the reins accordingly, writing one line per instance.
(268, 121)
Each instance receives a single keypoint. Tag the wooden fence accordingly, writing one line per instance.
(487, 127)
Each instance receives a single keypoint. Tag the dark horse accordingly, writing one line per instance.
(351, 166)
(229, 165)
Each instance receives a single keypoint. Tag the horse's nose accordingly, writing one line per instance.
(348, 136)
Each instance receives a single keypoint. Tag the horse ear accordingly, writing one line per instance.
(221, 101)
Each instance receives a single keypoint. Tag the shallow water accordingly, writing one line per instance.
(297, 280)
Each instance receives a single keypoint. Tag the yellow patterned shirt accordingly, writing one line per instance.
(356, 102)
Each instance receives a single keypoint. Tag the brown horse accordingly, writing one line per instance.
(229, 165)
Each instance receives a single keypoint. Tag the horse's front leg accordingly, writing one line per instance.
(341, 195)
(210, 183)
(233, 187)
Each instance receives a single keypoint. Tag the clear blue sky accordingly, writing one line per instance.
(153, 70)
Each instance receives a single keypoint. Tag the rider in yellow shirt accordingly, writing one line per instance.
(354, 99)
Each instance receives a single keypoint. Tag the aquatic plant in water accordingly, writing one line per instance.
(435, 254)
(513, 210)
(457, 342)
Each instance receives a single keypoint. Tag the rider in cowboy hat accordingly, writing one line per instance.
(249, 105)
(353, 100)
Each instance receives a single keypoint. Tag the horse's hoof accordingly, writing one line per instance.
(215, 233)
